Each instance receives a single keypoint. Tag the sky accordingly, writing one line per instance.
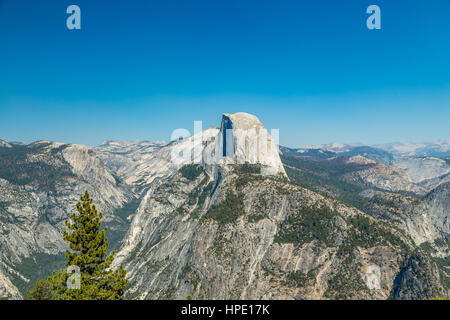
(137, 70)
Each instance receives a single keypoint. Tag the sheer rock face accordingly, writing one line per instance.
(219, 231)
(243, 139)
(7, 289)
(180, 244)
(412, 282)
(138, 164)
(439, 203)
(39, 187)
(429, 220)
(383, 176)
(421, 169)
(427, 172)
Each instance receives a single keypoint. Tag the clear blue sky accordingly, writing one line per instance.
(139, 69)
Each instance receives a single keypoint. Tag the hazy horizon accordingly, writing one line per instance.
(306, 146)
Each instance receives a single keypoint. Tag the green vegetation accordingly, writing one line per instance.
(42, 290)
(325, 168)
(330, 178)
(324, 178)
(34, 268)
(362, 232)
(169, 292)
(419, 265)
(197, 197)
(345, 283)
(249, 173)
(191, 276)
(444, 270)
(227, 211)
(256, 217)
(440, 242)
(17, 168)
(221, 246)
(205, 193)
(116, 231)
(4, 215)
(248, 168)
(88, 254)
(427, 247)
(199, 191)
(306, 225)
(191, 171)
(368, 234)
(127, 209)
(245, 179)
(299, 278)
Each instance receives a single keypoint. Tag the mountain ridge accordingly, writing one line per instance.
(252, 223)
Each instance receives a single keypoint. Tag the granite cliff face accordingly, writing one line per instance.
(382, 176)
(386, 193)
(243, 139)
(438, 202)
(220, 215)
(427, 172)
(139, 164)
(425, 168)
(259, 237)
(226, 229)
(39, 185)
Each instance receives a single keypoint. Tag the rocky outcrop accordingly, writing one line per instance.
(438, 202)
(7, 289)
(139, 164)
(417, 279)
(40, 185)
(383, 176)
(251, 236)
(214, 216)
(426, 171)
(4, 144)
(243, 139)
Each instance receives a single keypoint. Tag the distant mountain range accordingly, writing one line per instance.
(427, 149)
(218, 216)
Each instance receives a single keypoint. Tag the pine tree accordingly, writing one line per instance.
(42, 290)
(88, 253)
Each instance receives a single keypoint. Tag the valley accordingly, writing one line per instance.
(235, 220)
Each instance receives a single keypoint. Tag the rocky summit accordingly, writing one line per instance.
(228, 214)
(243, 139)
